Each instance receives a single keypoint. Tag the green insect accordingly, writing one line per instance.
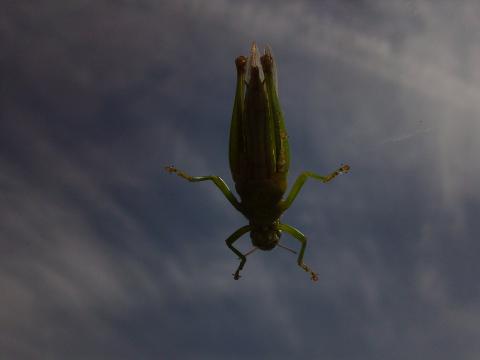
(259, 160)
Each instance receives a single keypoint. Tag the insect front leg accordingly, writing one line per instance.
(231, 239)
(217, 180)
(302, 178)
(303, 240)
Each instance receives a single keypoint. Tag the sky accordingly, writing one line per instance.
(103, 255)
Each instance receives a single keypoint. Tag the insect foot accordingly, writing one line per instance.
(344, 169)
(171, 169)
(313, 275)
(237, 276)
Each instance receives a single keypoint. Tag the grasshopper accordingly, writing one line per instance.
(259, 159)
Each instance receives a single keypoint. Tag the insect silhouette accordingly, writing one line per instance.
(259, 159)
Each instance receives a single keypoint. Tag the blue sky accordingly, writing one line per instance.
(103, 255)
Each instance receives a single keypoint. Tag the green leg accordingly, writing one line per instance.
(216, 180)
(301, 180)
(303, 240)
(231, 239)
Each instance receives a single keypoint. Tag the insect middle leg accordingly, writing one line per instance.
(231, 239)
(302, 178)
(217, 180)
(303, 240)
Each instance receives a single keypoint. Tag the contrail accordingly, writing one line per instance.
(405, 137)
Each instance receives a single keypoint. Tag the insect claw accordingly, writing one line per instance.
(236, 276)
(313, 275)
(171, 169)
(344, 169)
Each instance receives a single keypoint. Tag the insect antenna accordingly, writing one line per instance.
(286, 248)
(251, 251)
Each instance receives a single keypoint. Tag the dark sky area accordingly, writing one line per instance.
(103, 255)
